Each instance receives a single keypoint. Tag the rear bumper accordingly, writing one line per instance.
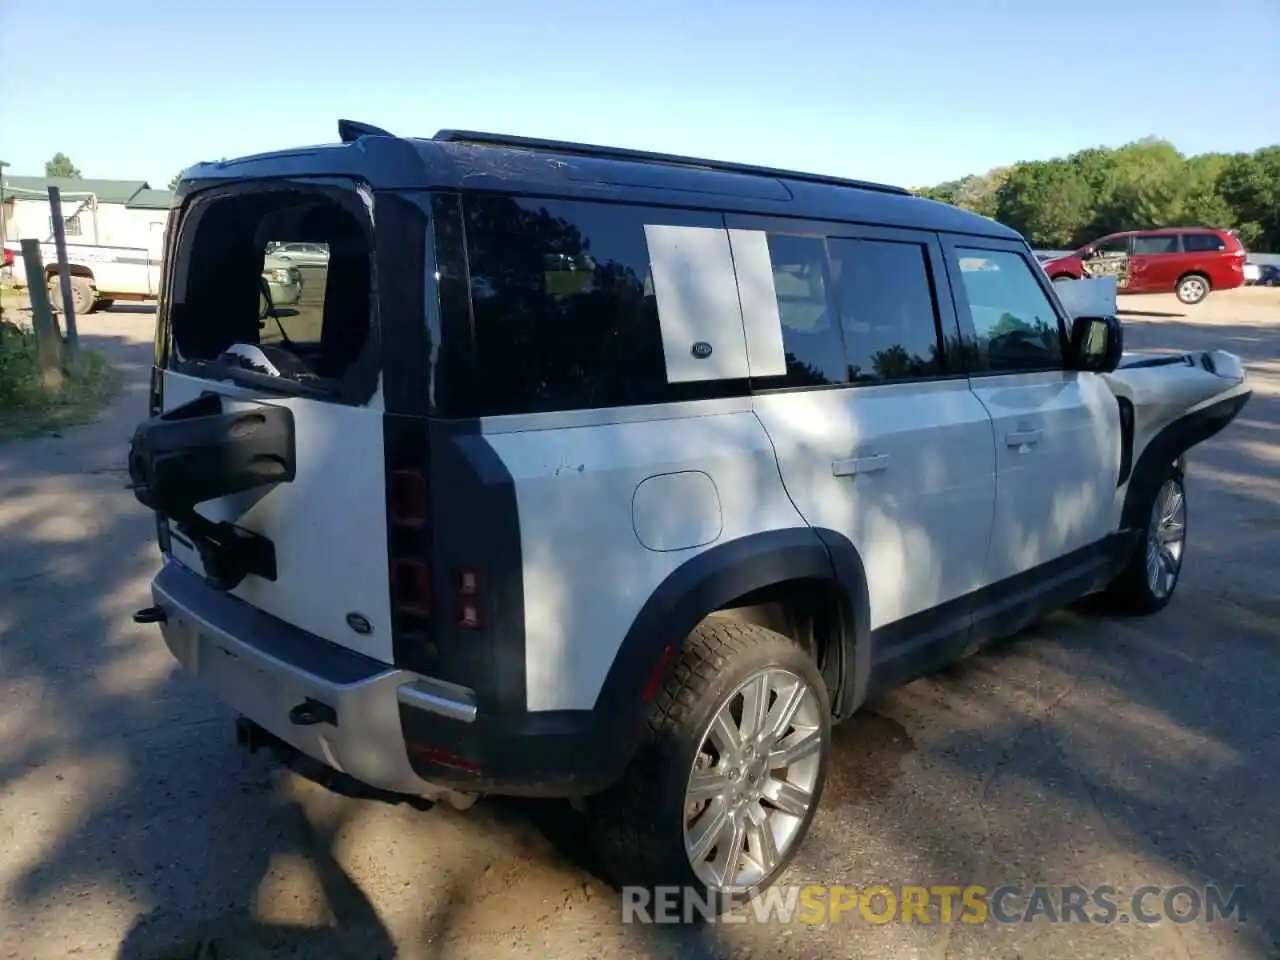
(390, 728)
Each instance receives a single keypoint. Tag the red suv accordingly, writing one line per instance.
(1187, 261)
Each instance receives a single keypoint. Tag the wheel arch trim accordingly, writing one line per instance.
(1168, 449)
(713, 578)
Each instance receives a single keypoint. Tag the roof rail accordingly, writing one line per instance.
(644, 156)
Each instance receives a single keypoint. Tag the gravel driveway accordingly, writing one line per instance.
(1085, 751)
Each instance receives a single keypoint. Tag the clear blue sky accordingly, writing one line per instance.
(908, 91)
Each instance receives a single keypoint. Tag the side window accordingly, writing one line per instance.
(1015, 326)
(1112, 246)
(1202, 242)
(887, 309)
(1156, 243)
(564, 306)
(810, 324)
(70, 226)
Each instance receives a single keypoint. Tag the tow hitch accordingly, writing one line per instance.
(151, 615)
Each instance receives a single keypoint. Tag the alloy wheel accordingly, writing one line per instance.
(753, 780)
(1166, 538)
(1192, 290)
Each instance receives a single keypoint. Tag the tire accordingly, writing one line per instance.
(1192, 288)
(641, 827)
(1147, 583)
(83, 295)
(1062, 278)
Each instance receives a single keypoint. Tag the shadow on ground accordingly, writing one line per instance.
(146, 834)
(1087, 750)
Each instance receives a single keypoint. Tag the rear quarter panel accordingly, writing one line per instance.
(1225, 272)
(597, 540)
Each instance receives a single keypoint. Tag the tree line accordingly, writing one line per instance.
(1068, 201)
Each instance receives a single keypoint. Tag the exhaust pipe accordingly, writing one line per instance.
(253, 737)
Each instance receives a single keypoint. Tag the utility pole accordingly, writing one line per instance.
(64, 276)
(48, 342)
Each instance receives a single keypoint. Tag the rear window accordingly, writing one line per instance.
(563, 306)
(810, 325)
(240, 305)
(1202, 242)
(887, 310)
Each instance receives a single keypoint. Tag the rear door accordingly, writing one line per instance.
(878, 438)
(1156, 262)
(1057, 432)
(1220, 258)
(328, 526)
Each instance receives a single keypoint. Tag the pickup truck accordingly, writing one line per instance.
(101, 275)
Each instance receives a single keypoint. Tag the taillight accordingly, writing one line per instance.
(407, 500)
(468, 600)
(408, 506)
(413, 587)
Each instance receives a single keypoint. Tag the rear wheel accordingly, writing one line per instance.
(1147, 583)
(83, 294)
(1192, 288)
(1062, 278)
(722, 792)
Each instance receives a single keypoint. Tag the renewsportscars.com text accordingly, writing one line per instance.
(944, 904)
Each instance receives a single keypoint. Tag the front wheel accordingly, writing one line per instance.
(1192, 289)
(1147, 583)
(720, 796)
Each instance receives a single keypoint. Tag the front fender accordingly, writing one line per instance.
(1178, 401)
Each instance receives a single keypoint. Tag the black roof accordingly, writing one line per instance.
(456, 159)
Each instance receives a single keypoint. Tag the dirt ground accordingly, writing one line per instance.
(1085, 751)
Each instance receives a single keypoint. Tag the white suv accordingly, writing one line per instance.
(622, 476)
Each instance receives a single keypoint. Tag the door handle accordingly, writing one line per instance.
(847, 468)
(1018, 438)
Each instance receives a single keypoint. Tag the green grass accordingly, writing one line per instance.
(28, 408)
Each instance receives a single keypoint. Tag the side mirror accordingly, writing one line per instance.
(1097, 344)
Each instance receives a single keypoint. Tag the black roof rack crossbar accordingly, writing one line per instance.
(645, 156)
